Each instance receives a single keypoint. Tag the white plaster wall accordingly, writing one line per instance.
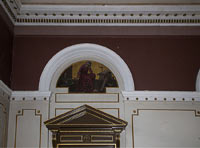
(151, 123)
(5, 93)
(4, 107)
(162, 124)
(112, 103)
(28, 111)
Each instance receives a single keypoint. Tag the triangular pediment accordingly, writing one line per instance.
(85, 116)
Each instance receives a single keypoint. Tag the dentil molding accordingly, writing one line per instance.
(164, 96)
(30, 95)
(161, 96)
(115, 14)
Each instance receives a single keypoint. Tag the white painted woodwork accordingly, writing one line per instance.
(5, 93)
(103, 12)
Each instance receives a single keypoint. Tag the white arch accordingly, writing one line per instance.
(198, 81)
(87, 51)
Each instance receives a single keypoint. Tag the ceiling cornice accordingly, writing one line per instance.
(6, 19)
(172, 14)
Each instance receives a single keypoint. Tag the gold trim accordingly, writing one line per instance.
(83, 92)
(4, 133)
(95, 131)
(118, 110)
(61, 109)
(111, 136)
(81, 136)
(109, 123)
(85, 124)
(49, 120)
(117, 101)
(97, 144)
(4, 108)
(137, 114)
(105, 114)
(17, 115)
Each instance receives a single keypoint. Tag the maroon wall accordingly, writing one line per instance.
(6, 39)
(156, 62)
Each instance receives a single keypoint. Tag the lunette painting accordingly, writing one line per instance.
(87, 77)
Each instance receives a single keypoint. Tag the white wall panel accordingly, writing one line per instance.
(162, 124)
(158, 123)
(5, 93)
(166, 128)
(26, 127)
(111, 111)
(86, 98)
(3, 125)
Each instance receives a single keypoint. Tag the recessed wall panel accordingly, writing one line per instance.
(166, 128)
(28, 129)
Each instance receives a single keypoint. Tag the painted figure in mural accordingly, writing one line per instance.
(81, 77)
(86, 78)
(106, 80)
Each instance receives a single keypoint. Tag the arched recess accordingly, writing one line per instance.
(198, 81)
(63, 59)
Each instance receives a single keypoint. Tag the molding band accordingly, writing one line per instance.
(161, 96)
(114, 22)
(108, 15)
(30, 95)
(5, 88)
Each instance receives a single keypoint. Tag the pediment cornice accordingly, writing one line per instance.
(85, 116)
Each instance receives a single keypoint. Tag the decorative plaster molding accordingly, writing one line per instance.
(104, 15)
(128, 96)
(198, 82)
(86, 51)
(30, 95)
(5, 88)
(161, 96)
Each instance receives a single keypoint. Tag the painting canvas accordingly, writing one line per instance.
(87, 77)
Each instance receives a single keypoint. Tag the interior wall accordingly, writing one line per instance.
(28, 115)
(4, 110)
(150, 123)
(162, 124)
(6, 40)
(4, 113)
(156, 62)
